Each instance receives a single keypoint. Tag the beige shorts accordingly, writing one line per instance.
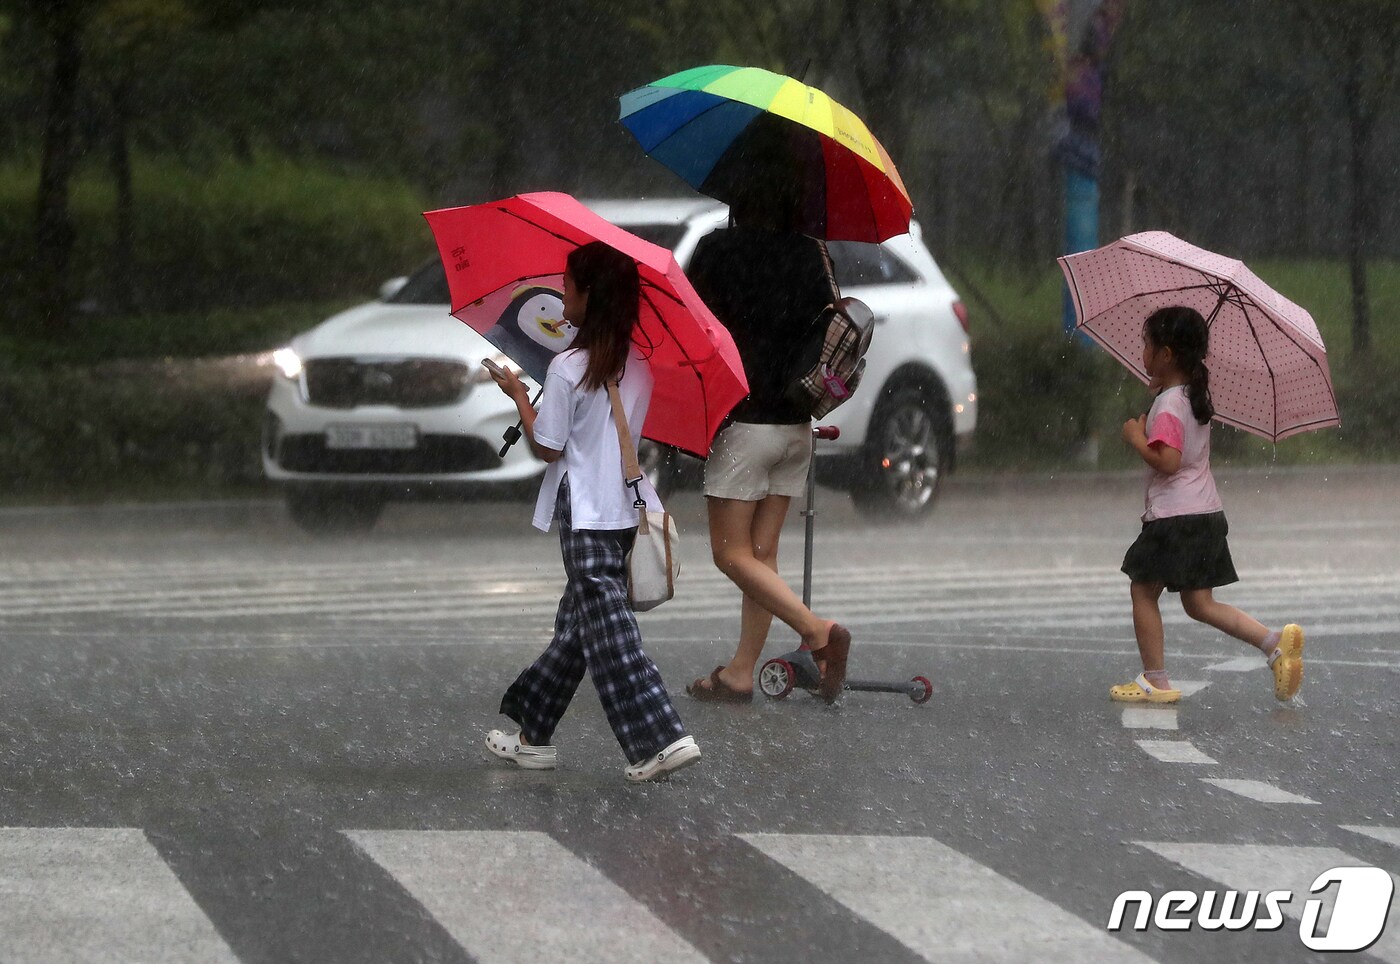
(749, 462)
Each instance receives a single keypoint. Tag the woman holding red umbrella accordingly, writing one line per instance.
(595, 630)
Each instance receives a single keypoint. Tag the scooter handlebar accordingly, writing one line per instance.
(827, 432)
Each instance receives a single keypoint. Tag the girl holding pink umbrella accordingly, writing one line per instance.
(1183, 547)
(1214, 342)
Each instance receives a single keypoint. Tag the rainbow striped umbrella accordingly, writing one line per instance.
(727, 129)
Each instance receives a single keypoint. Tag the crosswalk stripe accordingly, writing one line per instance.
(1264, 868)
(292, 585)
(1240, 664)
(107, 895)
(520, 896)
(86, 894)
(1149, 718)
(1259, 790)
(941, 904)
(1390, 835)
(416, 591)
(78, 579)
(1175, 751)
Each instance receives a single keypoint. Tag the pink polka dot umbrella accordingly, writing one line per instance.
(1268, 366)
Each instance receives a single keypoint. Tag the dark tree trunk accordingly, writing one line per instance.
(507, 156)
(1359, 124)
(123, 274)
(54, 234)
(884, 72)
(1305, 235)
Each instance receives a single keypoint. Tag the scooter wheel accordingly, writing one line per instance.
(776, 677)
(920, 689)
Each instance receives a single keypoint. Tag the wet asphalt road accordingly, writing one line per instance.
(223, 740)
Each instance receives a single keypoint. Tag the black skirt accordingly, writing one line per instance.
(1184, 552)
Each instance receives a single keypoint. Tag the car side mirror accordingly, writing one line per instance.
(392, 287)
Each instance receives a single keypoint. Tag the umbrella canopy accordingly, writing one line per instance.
(1268, 366)
(725, 129)
(505, 269)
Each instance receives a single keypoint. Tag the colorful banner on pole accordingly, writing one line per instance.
(1080, 33)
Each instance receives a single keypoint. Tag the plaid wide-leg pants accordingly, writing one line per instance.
(595, 629)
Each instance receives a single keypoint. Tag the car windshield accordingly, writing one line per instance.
(666, 235)
(427, 286)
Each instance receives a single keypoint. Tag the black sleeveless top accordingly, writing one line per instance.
(767, 288)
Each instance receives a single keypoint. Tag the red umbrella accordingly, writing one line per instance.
(505, 267)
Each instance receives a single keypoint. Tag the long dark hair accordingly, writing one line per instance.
(610, 278)
(1184, 331)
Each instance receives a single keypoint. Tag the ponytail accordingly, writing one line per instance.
(1184, 331)
(1198, 391)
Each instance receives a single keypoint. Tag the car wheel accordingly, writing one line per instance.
(327, 513)
(907, 454)
(660, 464)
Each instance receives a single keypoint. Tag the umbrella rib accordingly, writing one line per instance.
(526, 277)
(1142, 294)
(536, 224)
(1113, 351)
(1273, 379)
(1284, 330)
(693, 365)
(690, 120)
(1242, 424)
(1306, 426)
(657, 288)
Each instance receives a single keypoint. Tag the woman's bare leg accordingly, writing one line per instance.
(732, 537)
(755, 621)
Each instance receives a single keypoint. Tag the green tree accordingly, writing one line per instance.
(1359, 44)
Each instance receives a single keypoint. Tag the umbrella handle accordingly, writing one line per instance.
(512, 434)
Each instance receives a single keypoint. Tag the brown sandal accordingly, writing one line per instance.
(833, 662)
(718, 691)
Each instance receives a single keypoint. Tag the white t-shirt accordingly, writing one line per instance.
(1190, 490)
(580, 423)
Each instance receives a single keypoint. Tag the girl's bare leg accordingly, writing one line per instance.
(1202, 606)
(1147, 625)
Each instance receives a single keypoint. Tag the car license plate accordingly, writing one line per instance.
(371, 436)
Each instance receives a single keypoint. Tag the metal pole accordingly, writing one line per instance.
(810, 512)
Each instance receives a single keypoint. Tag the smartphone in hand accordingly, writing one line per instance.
(493, 368)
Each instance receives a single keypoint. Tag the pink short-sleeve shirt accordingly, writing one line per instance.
(1190, 490)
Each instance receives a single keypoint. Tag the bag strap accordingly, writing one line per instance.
(631, 469)
(830, 271)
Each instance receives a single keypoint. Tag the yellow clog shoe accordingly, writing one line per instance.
(1141, 691)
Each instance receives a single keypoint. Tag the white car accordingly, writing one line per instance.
(389, 400)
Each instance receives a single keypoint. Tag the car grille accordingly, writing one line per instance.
(434, 455)
(401, 382)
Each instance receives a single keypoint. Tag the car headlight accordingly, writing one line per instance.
(287, 361)
(480, 376)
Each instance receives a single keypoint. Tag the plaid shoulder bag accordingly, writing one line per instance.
(829, 364)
